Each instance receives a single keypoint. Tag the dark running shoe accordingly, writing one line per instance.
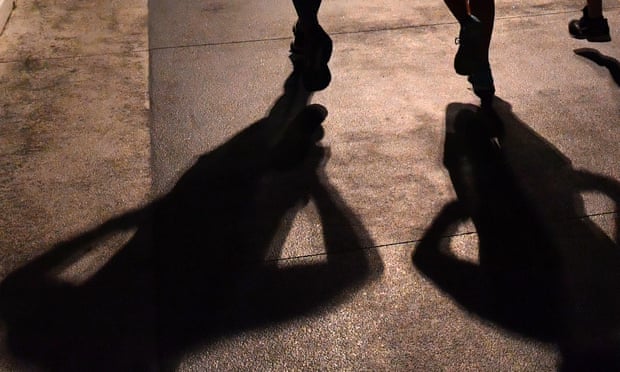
(482, 82)
(467, 57)
(310, 53)
(592, 29)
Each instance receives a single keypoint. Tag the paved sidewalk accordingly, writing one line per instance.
(217, 68)
(74, 136)
(76, 151)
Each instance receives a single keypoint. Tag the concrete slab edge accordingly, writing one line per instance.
(6, 6)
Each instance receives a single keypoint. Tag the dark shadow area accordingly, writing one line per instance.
(544, 269)
(196, 269)
(609, 63)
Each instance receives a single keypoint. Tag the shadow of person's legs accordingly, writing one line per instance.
(201, 264)
(554, 274)
(512, 284)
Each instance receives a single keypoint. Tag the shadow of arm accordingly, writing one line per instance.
(458, 278)
(609, 187)
(349, 263)
(67, 252)
(344, 234)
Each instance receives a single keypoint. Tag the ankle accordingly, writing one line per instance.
(593, 13)
(307, 26)
(468, 20)
(595, 16)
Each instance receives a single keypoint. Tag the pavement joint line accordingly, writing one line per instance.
(600, 214)
(90, 55)
(370, 30)
(407, 242)
(280, 38)
(386, 245)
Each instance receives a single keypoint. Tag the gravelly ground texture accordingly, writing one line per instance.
(172, 202)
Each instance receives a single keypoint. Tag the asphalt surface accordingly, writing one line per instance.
(406, 241)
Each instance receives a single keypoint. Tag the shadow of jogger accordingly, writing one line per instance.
(545, 270)
(196, 268)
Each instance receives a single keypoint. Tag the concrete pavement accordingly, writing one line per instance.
(216, 68)
(74, 138)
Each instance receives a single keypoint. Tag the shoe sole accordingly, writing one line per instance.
(485, 93)
(593, 39)
(599, 39)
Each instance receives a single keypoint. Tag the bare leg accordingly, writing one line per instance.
(312, 47)
(458, 8)
(307, 13)
(476, 18)
(484, 10)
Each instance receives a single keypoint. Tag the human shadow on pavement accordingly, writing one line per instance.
(203, 262)
(612, 64)
(544, 269)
